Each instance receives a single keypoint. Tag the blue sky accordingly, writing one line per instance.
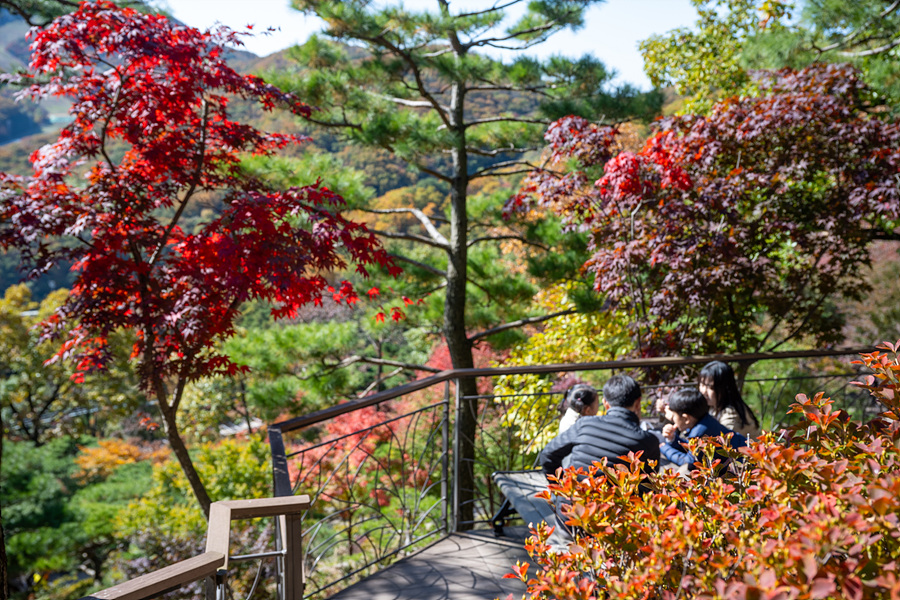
(611, 33)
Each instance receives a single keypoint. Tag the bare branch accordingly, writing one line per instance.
(489, 238)
(421, 265)
(422, 217)
(536, 89)
(430, 171)
(393, 210)
(437, 53)
(501, 173)
(386, 362)
(195, 179)
(382, 41)
(334, 124)
(503, 165)
(520, 323)
(494, 8)
(378, 381)
(498, 151)
(410, 103)
(486, 291)
(872, 51)
(512, 36)
(411, 237)
(506, 120)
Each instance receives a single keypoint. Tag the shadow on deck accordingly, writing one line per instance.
(462, 566)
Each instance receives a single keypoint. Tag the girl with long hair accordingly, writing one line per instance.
(718, 385)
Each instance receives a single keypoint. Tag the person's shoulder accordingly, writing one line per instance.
(708, 425)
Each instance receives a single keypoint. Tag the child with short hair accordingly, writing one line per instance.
(689, 411)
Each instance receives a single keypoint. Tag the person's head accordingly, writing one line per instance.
(622, 391)
(583, 399)
(687, 407)
(717, 383)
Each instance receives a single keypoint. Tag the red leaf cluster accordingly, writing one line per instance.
(156, 94)
(765, 206)
(811, 513)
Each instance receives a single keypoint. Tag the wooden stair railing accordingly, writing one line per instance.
(290, 557)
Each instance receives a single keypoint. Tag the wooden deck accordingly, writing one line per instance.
(462, 566)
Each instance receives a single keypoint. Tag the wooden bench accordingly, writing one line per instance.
(520, 489)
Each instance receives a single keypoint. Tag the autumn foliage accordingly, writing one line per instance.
(150, 135)
(735, 231)
(810, 512)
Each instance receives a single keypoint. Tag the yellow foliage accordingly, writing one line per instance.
(100, 462)
(574, 338)
(232, 469)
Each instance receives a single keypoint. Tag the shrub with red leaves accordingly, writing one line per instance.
(811, 513)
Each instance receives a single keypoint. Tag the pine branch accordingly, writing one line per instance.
(421, 265)
(520, 323)
(385, 362)
(852, 35)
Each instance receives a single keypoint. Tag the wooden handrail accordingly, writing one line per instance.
(221, 514)
(662, 361)
(165, 579)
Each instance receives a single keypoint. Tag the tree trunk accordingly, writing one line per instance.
(181, 452)
(455, 314)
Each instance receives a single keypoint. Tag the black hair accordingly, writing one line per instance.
(622, 391)
(720, 377)
(689, 401)
(579, 396)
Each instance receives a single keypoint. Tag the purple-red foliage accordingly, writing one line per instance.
(161, 92)
(760, 212)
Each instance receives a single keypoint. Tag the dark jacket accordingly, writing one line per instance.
(707, 426)
(612, 435)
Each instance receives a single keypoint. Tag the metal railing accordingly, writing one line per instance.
(381, 471)
(213, 565)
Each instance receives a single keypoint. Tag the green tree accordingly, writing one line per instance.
(38, 392)
(164, 526)
(58, 520)
(732, 37)
(422, 90)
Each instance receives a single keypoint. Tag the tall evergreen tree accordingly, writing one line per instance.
(416, 83)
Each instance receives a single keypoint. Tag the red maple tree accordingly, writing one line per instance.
(150, 133)
(739, 230)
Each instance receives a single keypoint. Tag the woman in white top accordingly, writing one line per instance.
(581, 400)
(718, 385)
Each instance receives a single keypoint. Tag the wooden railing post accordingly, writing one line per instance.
(292, 540)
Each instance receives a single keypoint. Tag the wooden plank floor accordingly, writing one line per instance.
(462, 566)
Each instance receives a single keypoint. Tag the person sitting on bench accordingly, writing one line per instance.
(689, 411)
(612, 435)
(581, 400)
(592, 438)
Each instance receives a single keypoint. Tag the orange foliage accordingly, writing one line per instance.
(100, 462)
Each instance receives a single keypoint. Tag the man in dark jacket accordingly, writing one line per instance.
(612, 435)
(591, 438)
